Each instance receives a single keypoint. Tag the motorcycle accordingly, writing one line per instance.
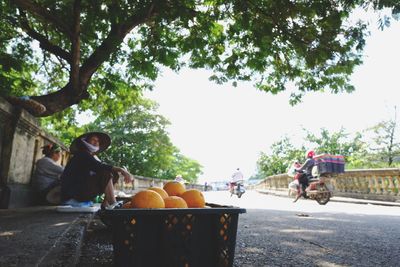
(317, 188)
(237, 189)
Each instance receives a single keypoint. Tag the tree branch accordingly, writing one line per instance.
(43, 41)
(76, 47)
(110, 44)
(42, 14)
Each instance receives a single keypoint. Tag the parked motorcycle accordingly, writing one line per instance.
(237, 189)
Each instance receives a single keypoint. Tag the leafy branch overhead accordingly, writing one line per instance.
(61, 52)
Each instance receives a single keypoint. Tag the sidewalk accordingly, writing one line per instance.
(40, 236)
(335, 199)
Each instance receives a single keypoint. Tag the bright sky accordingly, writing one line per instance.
(224, 128)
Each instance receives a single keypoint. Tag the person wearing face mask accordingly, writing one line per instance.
(85, 176)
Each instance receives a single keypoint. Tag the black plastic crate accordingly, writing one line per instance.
(201, 237)
(330, 163)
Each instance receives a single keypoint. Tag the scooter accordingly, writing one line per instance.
(238, 189)
(317, 188)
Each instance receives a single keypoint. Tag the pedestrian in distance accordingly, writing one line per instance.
(237, 176)
(179, 179)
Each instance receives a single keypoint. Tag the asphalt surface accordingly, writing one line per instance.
(273, 232)
(276, 238)
(39, 236)
(277, 232)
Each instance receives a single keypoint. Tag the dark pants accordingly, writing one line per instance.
(303, 180)
(43, 195)
(96, 184)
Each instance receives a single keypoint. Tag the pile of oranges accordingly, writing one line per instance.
(172, 195)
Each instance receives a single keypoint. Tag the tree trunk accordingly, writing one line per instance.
(59, 100)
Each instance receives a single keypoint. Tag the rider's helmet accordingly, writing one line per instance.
(310, 154)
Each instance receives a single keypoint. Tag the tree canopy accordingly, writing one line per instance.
(140, 141)
(62, 52)
(386, 145)
(282, 154)
(358, 153)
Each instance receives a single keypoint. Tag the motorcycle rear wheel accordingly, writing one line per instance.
(323, 198)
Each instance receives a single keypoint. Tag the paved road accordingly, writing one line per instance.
(277, 232)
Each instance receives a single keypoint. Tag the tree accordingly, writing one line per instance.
(353, 148)
(62, 52)
(188, 168)
(336, 143)
(140, 142)
(386, 146)
(283, 153)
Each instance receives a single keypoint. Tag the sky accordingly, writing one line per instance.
(224, 128)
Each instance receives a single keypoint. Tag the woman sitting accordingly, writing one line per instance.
(46, 178)
(85, 176)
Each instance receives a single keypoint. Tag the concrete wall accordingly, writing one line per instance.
(21, 139)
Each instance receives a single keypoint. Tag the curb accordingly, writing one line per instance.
(340, 199)
(66, 249)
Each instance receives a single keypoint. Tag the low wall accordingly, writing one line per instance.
(142, 182)
(373, 184)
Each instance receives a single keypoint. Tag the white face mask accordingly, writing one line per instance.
(90, 147)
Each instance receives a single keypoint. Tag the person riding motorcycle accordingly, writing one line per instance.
(305, 171)
(237, 176)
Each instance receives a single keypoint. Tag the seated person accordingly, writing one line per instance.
(294, 185)
(85, 176)
(46, 178)
(306, 172)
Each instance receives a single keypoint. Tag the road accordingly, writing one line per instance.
(277, 232)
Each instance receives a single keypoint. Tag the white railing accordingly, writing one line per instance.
(142, 182)
(373, 184)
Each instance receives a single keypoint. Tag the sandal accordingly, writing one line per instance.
(115, 205)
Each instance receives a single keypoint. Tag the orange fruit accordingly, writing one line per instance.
(159, 190)
(127, 205)
(175, 202)
(147, 199)
(194, 198)
(174, 188)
